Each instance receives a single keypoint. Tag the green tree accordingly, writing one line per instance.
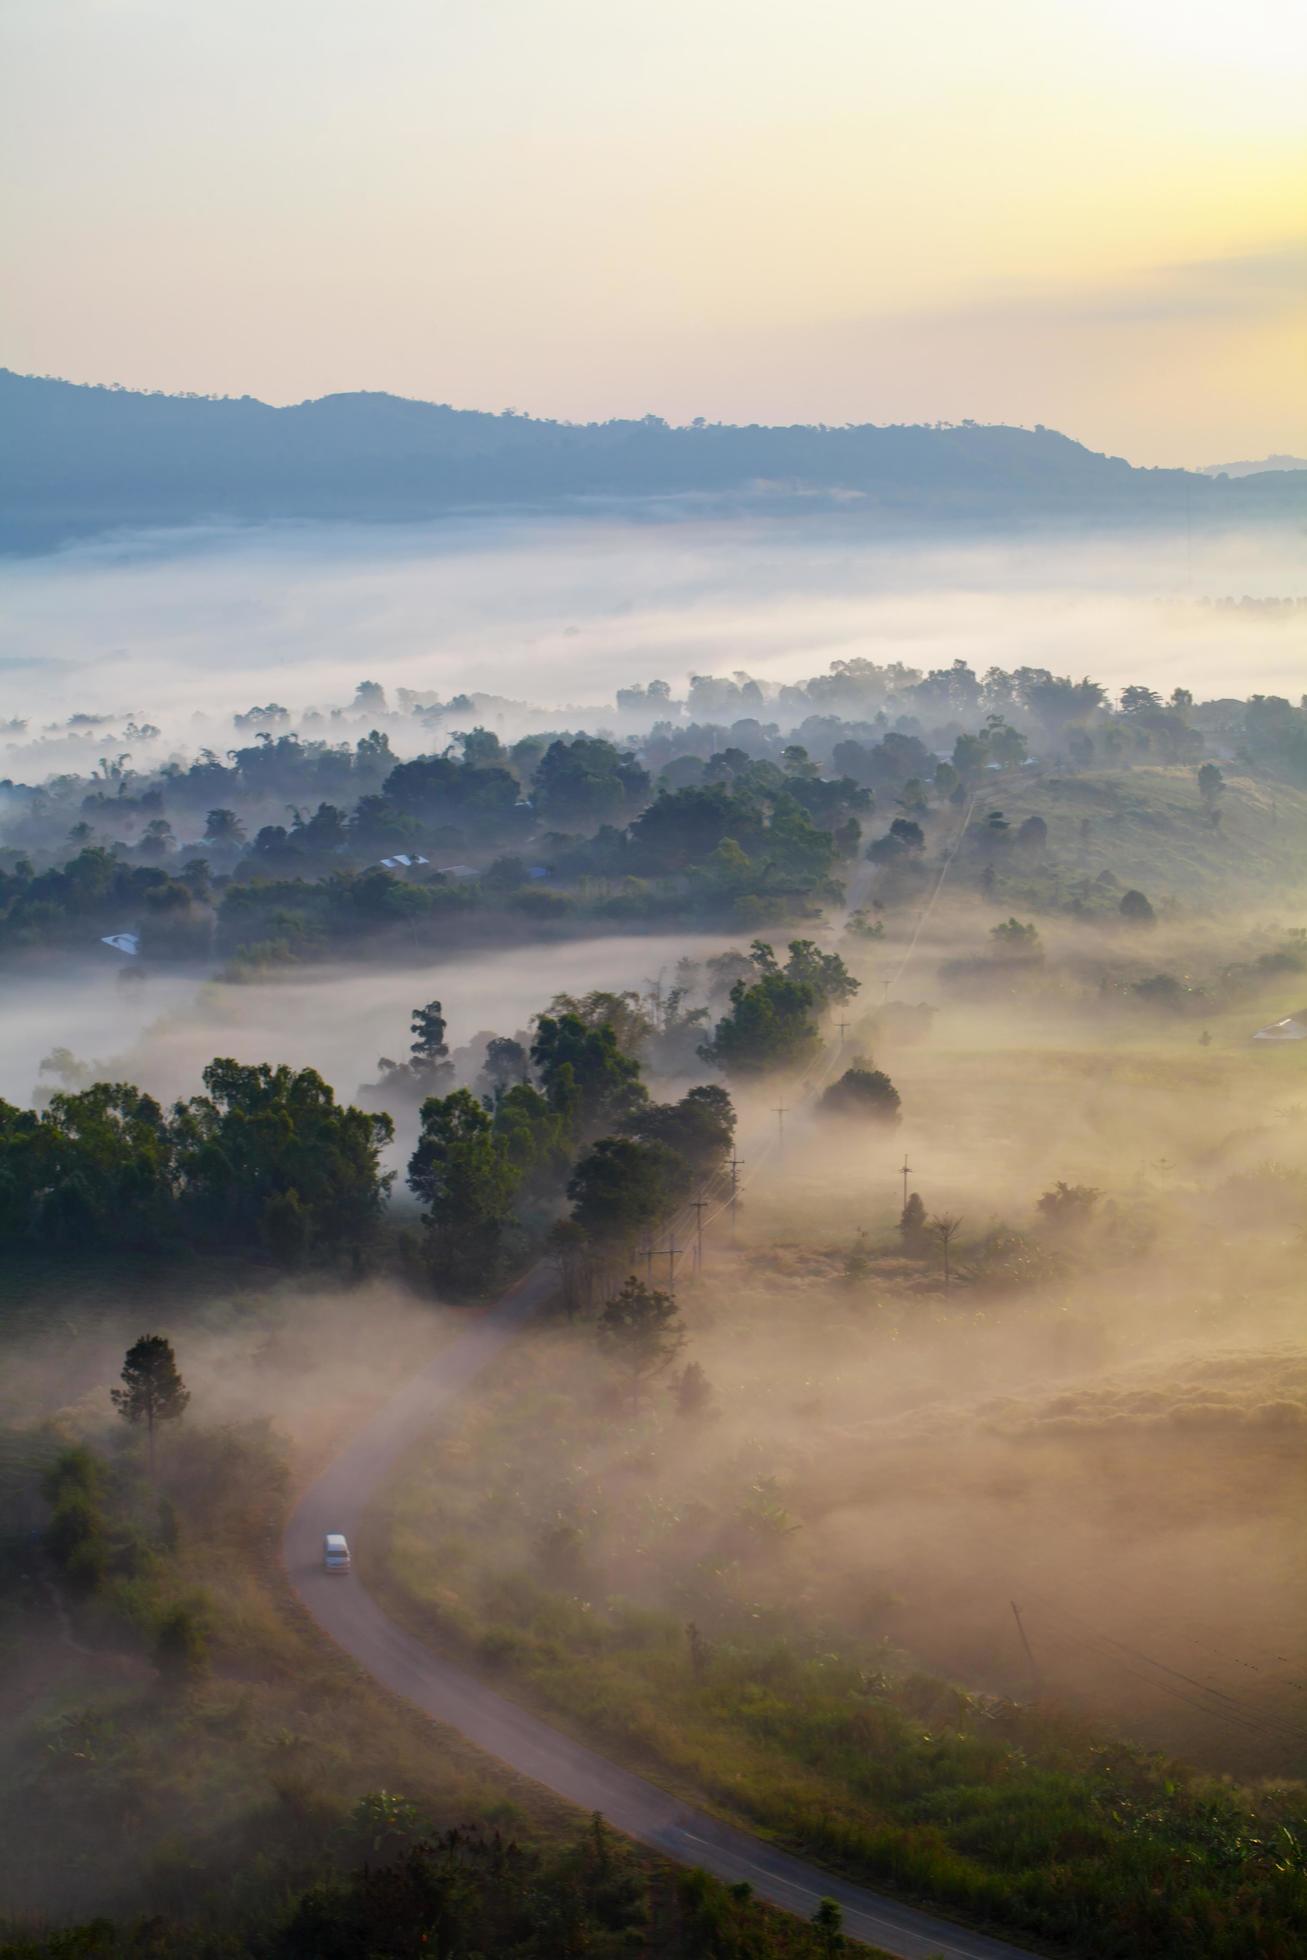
(829, 1921)
(863, 1092)
(698, 1131)
(970, 758)
(153, 1391)
(584, 1073)
(831, 982)
(1067, 1207)
(642, 1330)
(622, 1188)
(429, 1049)
(505, 1064)
(1211, 786)
(181, 1645)
(693, 1391)
(1006, 745)
(1136, 910)
(904, 841)
(96, 1167)
(772, 1026)
(75, 1535)
(1016, 942)
(535, 1137)
(624, 1013)
(224, 827)
(588, 781)
(913, 1228)
(263, 1132)
(796, 854)
(463, 1172)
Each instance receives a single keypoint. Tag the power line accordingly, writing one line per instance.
(949, 856)
(698, 1205)
(1229, 1707)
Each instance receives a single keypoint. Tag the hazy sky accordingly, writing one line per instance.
(1090, 213)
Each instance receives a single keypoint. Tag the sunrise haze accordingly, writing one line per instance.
(1085, 215)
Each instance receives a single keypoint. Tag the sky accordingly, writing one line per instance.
(1086, 213)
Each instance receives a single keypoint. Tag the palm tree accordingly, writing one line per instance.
(224, 827)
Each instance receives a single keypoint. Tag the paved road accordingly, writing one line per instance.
(449, 1693)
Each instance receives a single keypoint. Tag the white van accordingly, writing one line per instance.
(335, 1552)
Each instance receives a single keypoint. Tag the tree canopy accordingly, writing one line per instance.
(863, 1092)
(153, 1390)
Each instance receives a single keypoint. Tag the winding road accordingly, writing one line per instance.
(451, 1694)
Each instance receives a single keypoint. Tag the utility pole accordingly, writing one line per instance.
(1034, 1669)
(780, 1128)
(699, 1206)
(907, 1172)
(735, 1191)
(648, 1257)
(843, 1028)
(673, 1254)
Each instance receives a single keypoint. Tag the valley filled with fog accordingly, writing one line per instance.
(848, 995)
(176, 628)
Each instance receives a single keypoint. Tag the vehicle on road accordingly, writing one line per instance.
(335, 1552)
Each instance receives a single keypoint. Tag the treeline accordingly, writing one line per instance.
(572, 1120)
(266, 1161)
(736, 821)
(571, 1117)
(477, 784)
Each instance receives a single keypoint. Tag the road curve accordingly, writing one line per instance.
(451, 1694)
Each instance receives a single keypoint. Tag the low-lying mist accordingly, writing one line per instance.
(182, 629)
(1102, 1415)
(160, 1032)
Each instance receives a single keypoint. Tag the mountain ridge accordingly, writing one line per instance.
(79, 459)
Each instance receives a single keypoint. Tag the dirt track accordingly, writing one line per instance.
(451, 1694)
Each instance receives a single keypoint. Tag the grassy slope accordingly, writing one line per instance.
(1147, 827)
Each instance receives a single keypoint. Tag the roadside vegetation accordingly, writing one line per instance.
(189, 1769)
(647, 1585)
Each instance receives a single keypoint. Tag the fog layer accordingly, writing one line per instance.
(200, 624)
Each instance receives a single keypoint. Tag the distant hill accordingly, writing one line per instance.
(80, 460)
(1268, 463)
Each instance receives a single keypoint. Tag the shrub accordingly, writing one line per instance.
(862, 1091)
(181, 1646)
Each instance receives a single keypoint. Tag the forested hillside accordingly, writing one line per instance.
(79, 460)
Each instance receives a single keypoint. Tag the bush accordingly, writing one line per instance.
(864, 1092)
(181, 1645)
(541, 905)
(75, 1535)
